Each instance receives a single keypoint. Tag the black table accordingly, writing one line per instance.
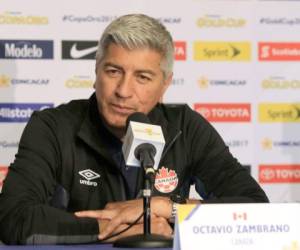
(72, 247)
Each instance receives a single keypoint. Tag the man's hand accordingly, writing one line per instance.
(159, 226)
(126, 212)
(117, 214)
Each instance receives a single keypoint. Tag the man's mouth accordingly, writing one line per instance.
(121, 109)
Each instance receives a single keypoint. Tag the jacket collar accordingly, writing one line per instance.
(92, 129)
(158, 116)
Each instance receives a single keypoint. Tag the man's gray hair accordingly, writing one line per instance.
(136, 31)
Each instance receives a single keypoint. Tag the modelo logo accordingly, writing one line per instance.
(20, 112)
(26, 49)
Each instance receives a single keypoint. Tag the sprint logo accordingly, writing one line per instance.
(88, 175)
(222, 51)
(279, 112)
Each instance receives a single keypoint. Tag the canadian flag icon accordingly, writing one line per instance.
(239, 216)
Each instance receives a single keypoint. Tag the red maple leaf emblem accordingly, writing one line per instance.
(166, 181)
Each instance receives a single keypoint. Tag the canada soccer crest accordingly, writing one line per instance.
(166, 180)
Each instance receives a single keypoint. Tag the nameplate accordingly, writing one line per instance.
(255, 226)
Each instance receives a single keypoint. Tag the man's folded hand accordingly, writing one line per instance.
(118, 215)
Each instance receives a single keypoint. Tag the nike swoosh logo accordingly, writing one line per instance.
(75, 53)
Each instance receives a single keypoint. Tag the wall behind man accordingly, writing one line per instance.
(236, 64)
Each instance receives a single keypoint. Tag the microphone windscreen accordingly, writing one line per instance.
(139, 130)
(137, 117)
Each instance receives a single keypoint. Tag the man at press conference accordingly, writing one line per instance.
(69, 182)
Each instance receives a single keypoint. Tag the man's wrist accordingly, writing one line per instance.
(166, 207)
(193, 201)
(175, 201)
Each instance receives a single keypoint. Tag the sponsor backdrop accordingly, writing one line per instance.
(237, 63)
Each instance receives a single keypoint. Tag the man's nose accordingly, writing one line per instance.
(125, 86)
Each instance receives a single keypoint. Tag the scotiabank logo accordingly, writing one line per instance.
(20, 112)
(3, 173)
(224, 112)
(279, 173)
(180, 50)
(274, 51)
(26, 49)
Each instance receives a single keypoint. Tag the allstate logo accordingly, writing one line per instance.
(20, 112)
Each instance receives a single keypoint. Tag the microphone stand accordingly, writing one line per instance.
(146, 240)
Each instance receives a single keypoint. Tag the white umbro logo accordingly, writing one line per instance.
(89, 175)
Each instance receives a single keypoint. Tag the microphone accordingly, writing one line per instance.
(143, 143)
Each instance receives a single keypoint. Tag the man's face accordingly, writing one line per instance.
(128, 81)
